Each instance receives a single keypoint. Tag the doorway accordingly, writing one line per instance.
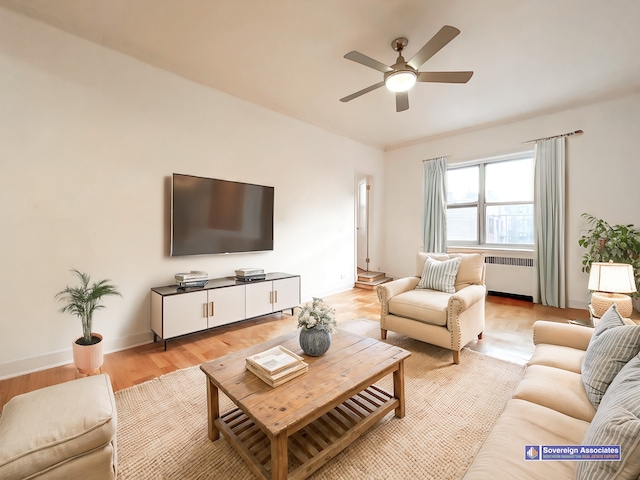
(362, 223)
(365, 277)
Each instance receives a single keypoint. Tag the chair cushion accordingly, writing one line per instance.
(612, 345)
(617, 422)
(439, 275)
(428, 306)
(46, 427)
(471, 271)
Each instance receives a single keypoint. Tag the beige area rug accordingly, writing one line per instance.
(162, 424)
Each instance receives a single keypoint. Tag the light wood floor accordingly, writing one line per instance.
(507, 336)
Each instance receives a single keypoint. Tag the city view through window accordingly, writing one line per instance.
(491, 203)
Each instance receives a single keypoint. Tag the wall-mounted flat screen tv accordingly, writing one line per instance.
(210, 216)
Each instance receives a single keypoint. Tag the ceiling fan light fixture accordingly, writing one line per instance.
(400, 81)
(402, 75)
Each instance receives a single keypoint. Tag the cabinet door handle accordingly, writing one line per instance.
(276, 296)
(212, 309)
(204, 310)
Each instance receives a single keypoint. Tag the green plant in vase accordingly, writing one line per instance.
(616, 243)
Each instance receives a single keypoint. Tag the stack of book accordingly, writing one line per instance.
(276, 365)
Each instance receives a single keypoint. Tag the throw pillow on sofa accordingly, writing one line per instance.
(440, 275)
(612, 345)
(617, 422)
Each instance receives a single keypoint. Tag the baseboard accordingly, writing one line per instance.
(65, 357)
(130, 341)
(515, 296)
(34, 364)
(343, 287)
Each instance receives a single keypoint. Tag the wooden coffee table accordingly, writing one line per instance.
(292, 430)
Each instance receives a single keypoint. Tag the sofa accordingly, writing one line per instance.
(65, 431)
(580, 388)
(443, 304)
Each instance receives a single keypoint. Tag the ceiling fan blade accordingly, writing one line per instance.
(402, 101)
(433, 46)
(367, 61)
(362, 92)
(444, 77)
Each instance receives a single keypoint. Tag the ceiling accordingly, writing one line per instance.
(530, 57)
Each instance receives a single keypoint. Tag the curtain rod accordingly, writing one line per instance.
(575, 132)
(435, 158)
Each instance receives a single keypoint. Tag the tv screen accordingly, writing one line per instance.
(211, 216)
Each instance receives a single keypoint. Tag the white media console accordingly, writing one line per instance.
(176, 311)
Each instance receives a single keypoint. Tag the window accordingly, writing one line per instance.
(491, 202)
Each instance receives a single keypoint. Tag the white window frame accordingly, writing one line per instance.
(482, 204)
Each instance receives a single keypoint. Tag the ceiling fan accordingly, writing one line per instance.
(401, 76)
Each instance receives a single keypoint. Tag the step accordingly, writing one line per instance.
(370, 276)
(372, 285)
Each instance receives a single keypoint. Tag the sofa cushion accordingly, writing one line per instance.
(439, 275)
(502, 455)
(558, 356)
(50, 426)
(613, 344)
(617, 423)
(428, 306)
(560, 390)
(471, 271)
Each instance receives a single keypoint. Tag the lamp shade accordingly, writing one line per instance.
(611, 277)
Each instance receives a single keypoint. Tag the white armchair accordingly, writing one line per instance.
(449, 320)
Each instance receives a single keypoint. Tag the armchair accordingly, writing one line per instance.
(449, 320)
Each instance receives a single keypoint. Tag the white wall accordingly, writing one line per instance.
(602, 178)
(88, 141)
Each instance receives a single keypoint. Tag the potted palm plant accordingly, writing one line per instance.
(82, 301)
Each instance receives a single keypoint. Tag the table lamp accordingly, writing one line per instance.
(609, 282)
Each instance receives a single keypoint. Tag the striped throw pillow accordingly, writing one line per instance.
(612, 345)
(617, 422)
(440, 275)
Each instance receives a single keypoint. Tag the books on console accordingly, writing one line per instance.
(276, 365)
(250, 274)
(194, 278)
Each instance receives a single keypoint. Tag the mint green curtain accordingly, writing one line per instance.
(434, 187)
(549, 198)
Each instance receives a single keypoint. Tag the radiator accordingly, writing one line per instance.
(512, 276)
